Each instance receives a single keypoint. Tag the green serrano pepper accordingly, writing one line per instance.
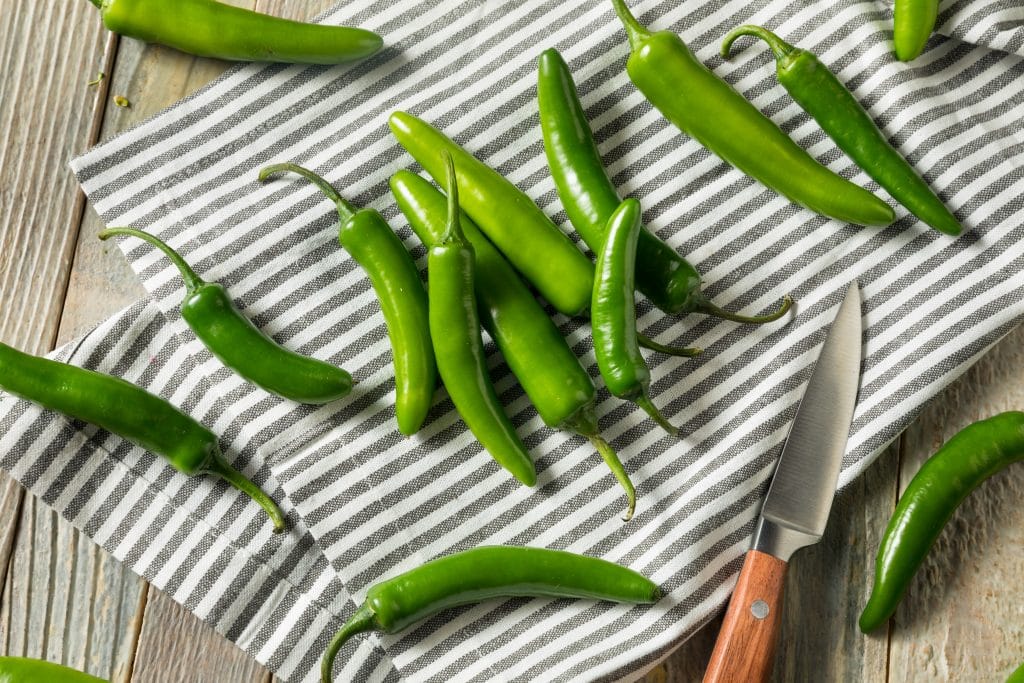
(913, 23)
(973, 455)
(707, 109)
(459, 348)
(212, 29)
(818, 92)
(128, 411)
(528, 239)
(25, 670)
(545, 256)
(374, 245)
(613, 314)
(487, 573)
(534, 349)
(590, 198)
(240, 345)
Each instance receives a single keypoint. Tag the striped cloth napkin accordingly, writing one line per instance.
(365, 503)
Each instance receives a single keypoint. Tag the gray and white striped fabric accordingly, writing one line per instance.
(366, 503)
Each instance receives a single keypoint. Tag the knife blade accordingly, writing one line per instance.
(796, 507)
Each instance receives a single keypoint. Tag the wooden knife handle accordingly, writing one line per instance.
(746, 644)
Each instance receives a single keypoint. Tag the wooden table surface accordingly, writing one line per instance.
(64, 599)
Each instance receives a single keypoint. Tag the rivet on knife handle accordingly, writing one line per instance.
(745, 647)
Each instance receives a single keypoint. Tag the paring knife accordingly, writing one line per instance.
(796, 508)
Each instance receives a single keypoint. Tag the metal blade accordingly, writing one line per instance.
(800, 497)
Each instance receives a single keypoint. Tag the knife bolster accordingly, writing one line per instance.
(773, 538)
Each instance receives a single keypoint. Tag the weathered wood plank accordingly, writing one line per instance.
(69, 601)
(11, 498)
(49, 52)
(49, 610)
(49, 113)
(182, 643)
(39, 201)
(961, 619)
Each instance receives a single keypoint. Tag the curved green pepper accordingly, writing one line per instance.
(613, 314)
(240, 345)
(129, 411)
(374, 245)
(707, 109)
(973, 455)
(818, 92)
(487, 573)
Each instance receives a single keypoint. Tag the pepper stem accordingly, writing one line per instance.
(360, 622)
(611, 458)
(220, 467)
(780, 48)
(345, 210)
(645, 402)
(192, 281)
(453, 228)
(681, 351)
(708, 308)
(97, 3)
(635, 31)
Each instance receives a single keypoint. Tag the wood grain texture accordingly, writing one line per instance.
(66, 600)
(962, 618)
(184, 648)
(41, 128)
(745, 649)
(49, 605)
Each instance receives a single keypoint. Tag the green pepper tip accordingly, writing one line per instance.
(399, 121)
(705, 306)
(345, 210)
(191, 278)
(869, 620)
(361, 621)
(549, 55)
(611, 458)
(635, 31)
(678, 351)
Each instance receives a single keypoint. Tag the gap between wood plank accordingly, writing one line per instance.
(901, 451)
(136, 628)
(78, 210)
(99, 112)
